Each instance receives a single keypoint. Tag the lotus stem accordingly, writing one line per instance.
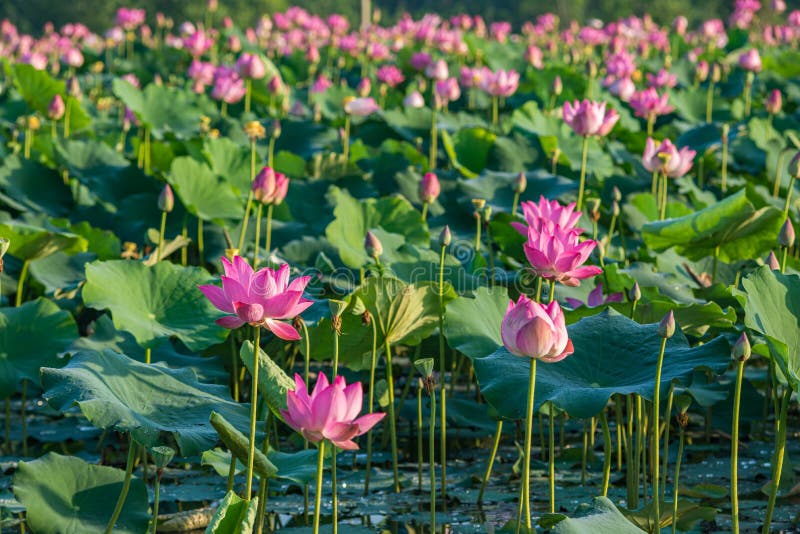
(748, 88)
(495, 445)
(737, 396)
(7, 427)
(667, 418)
(724, 183)
(424, 211)
(789, 192)
(247, 94)
(714, 265)
(185, 234)
(28, 142)
(582, 183)
(654, 185)
(253, 414)
(776, 184)
(584, 454)
(495, 110)
(619, 429)
(630, 463)
(24, 417)
(392, 422)
(431, 456)
(306, 364)
(148, 353)
(259, 211)
(419, 436)
(656, 435)
(67, 113)
(126, 484)
(515, 203)
(552, 295)
(606, 452)
(662, 213)
(443, 381)
(318, 494)
(334, 490)
(525, 502)
(157, 491)
(681, 439)
(651, 121)
(478, 226)
(551, 458)
(23, 274)
(709, 102)
(161, 231)
(434, 141)
(147, 150)
(346, 140)
(370, 401)
(200, 243)
(249, 203)
(777, 460)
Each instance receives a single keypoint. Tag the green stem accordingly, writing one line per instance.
(318, 494)
(258, 234)
(268, 237)
(551, 458)
(147, 151)
(606, 451)
(126, 484)
(675, 482)
(442, 380)
(147, 355)
(584, 454)
(21, 282)
(667, 418)
(431, 453)
(709, 101)
(525, 502)
(334, 490)
(737, 396)
(247, 94)
(434, 141)
(370, 401)
(662, 212)
(419, 437)
(777, 460)
(619, 429)
(515, 203)
(776, 184)
(714, 265)
(783, 259)
(161, 235)
(157, 490)
(478, 226)
(346, 140)
(747, 98)
(392, 422)
(582, 184)
(24, 417)
(185, 234)
(495, 110)
(630, 463)
(789, 192)
(7, 427)
(656, 435)
(724, 184)
(253, 415)
(651, 121)
(424, 211)
(495, 445)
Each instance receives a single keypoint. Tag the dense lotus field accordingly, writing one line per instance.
(438, 276)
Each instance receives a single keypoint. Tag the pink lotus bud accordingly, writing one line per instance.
(701, 71)
(429, 188)
(774, 102)
(166, 200)
(364, 87)
(270, 187)
(680, 24)
(360, 107)
(373, 246)
(750, 60)
(773, 262)
(56, 108)
(786, 236)
(741, 349)
(250, 66)
(445, 237)
(557, 86)
(437, 70)
(521, 183)
(414, 100)
(666, 328)
(532, 330)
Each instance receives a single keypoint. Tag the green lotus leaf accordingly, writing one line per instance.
(32, 336)
(601, 518)
(773, 308)
(273, 382)
(154, 303)
(38, 88)
(468, 149)
(30, 242)
(202, 192)
(28, 186)
(229, 160)
(234, 516)
(157, 405)
(239, 444)
(66, 495)
(742, 226)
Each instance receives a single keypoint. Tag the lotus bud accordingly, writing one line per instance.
(429, 188)
(666, 328)
(794, 166)
(558, 86)
(786, 235)
(56, 108)
(726, 130)
(594, 209)
(74, 86)
(772, 261)
(635, 293)
(615, 208)
(716, 73)
(701, 71)
(275, 131)
(591, 69)
(373, 246)
(741, 349)
(364, 87)
(616, 194)
(166, 200)
(521, 183)
(445, 238)
(774, 102)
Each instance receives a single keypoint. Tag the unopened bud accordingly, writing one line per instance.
(786, 235)
(616, 194)
(635, 293)
(558, 86)
(773, 262)
(741, 349)
(521, 183)
(615, 208)
(166, 200)
(716, 73)
(666, 328)
(445, 237)
(373, 246)
(794, 166)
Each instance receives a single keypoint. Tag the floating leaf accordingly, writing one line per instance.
(602, 518)
(154, 303)
(155, 404)
(65, 495)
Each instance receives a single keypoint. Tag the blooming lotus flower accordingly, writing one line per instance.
(261, 298)
(414, 100)
(557, 254)
(361, 107)
(197, 43)
(663, 78)
(589, 118)
(623, 88)
(665, 158)
(648, 103)
(536, 331)
(270, 187)
(447, 91)
(229, 88)
(437, 70)
(250, 66)
(750, 60)
(130, 18)
(539, 214)
(596, 298)
(72, 57)
(420, 61)
(501, 83)
(330, 412)
(56, 108)
(429, 188)
(390, 75)
(321, 84)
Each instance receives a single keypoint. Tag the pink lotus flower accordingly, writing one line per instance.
(750, 60)
(596, 298)
(536, 331)
(321, 84)
(557, 254)
(250, 66)
(420, 61)
(130, 18)
(437, 70)
(197, 43)
(501, 83)
(648, 103)
(56, 108)
(390, 75)
(533, 55)
(663, 78)
(665, 158)
(539, 214)
(228, 87)
(330, 412)
(261, 298)
(414, 100)
(623, 88)
(361, 107)
(447, 91)
(590, 118)
(774, 102)
(270, 187)
(429, 188)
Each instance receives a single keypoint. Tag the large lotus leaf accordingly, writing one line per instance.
(203, 193)
(353, 218)
(154, 303)
(612, 355)
(472, 325)
(32, 336)
(497, 188)
(773, 308)
(102, 243)
(234, 516)
(602, 518)
(38, 88)
(469, 149)
(29, 242)
(273, 382)
(742, 226)
(355, 343)
(28, 186)
(231, 161)
(152, 402)
(66, 495)
(163, 109)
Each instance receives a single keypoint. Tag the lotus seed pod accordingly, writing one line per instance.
(666, 328)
